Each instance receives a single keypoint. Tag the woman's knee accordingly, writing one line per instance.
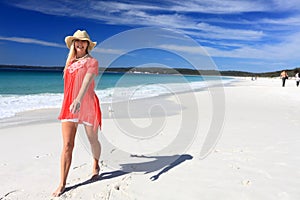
(69, 132)
(91, 133)
(93, 140)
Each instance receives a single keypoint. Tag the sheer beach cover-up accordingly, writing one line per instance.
(90, 107)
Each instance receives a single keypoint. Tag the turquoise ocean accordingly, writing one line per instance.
(30, 90)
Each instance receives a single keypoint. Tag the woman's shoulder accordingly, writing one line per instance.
(91, 59)
(91, 63)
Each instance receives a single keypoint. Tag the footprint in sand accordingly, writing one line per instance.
(42, 156)
(235, 166)
(246, 182)
(117, 190)
(102, 164)
(9, 193)
(76, 167)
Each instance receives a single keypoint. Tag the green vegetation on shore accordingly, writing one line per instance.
(156, 70)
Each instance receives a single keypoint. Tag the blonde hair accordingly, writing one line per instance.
(72, 55)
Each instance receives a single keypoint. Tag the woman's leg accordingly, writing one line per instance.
(68, 133)
(95, 146)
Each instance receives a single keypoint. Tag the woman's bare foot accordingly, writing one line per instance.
(58, 191)
(96, 170)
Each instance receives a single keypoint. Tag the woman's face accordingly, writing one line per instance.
(81, 46)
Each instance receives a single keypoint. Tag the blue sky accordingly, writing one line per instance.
(246, 35)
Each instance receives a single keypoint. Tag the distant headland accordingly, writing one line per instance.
(152, 70)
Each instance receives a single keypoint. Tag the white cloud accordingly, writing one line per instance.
(223, 44)
(285, 50)
(289, 21)
(31, 41)
(242, 39)
(169, 13)
(228, 33)
(219, 7)
(109, 51)
(284, 5)
(197, 50)
(114, 7)
(273, 53)
(234, 6)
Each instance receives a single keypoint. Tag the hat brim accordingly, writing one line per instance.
(69, 40)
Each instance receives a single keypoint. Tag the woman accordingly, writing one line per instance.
(284, 76)
(80, 104)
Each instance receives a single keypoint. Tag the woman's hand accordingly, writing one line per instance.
(75, 107)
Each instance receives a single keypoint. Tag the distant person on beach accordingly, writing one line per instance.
(80, 104)
(284, 76)
(297, 76)
(253, 78)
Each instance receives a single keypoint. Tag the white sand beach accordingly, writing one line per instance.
(256, 157)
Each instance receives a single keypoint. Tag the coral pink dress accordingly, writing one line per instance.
(90, 111)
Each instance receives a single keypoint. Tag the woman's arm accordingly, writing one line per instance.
(75, 106)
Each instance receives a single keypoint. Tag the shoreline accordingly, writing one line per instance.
(50, 114)
(45, 115)
(13, 104)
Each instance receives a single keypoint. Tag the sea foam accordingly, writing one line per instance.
(10, 105)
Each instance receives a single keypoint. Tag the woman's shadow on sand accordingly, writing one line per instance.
(162, 164)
